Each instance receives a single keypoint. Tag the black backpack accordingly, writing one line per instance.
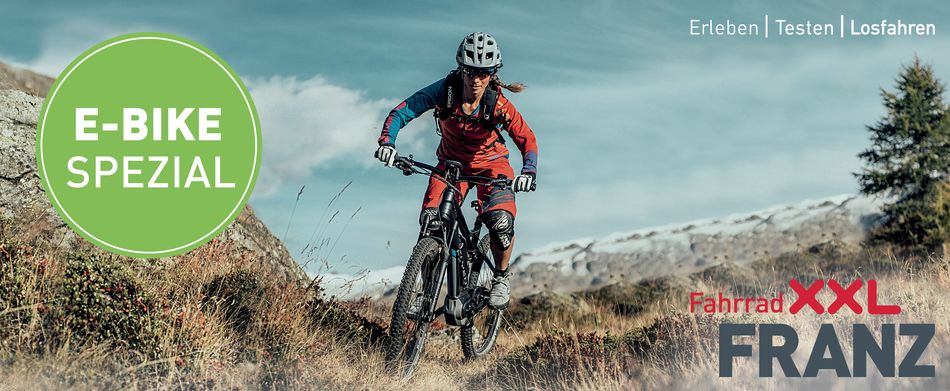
(452, 95)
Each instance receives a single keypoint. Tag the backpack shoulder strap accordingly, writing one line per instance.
(451, 91)
(488, 103)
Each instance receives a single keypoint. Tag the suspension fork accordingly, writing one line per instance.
(438, 274)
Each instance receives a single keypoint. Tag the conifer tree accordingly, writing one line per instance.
(909, 160)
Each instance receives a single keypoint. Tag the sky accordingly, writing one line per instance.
(638, 123)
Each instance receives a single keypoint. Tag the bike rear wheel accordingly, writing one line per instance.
(479, 337)
(409, 328)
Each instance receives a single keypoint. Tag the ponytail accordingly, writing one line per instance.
(513, 87)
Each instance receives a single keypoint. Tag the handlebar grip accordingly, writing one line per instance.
(534, 185)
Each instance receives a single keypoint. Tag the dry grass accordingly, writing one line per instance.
(685, 359)
(265, 333)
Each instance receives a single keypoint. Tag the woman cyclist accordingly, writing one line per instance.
(471, 114)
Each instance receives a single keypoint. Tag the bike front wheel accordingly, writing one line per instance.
(409, 327)
(479, 337)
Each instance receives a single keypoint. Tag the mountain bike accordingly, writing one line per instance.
(449, 253)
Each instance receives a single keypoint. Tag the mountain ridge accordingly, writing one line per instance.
(678, 248)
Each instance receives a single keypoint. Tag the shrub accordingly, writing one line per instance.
(628, 299)
(545, 305)
(822, 260)
(14, 276)
(101, 302)
(241, 296)
(559, 358)
(739, 279)
(331, 315)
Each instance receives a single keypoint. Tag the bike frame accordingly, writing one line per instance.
(459, 242)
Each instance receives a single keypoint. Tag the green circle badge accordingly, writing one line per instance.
(148, 145)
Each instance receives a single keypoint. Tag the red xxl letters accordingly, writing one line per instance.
(843, 296)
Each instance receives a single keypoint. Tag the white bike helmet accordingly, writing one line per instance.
(479, 50)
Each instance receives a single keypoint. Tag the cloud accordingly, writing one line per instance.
(697, 139)
(312, 124)
(750, 182)
(62, 42)
(701, 192)
(307, 124)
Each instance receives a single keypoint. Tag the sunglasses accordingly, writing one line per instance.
(478, 72)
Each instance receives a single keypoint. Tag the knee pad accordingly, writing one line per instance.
(430, 216)
(501, 227)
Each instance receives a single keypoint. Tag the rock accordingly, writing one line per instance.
(22, 197)
(20, 187)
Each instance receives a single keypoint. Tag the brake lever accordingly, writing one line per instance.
(406, 169)
(508, 184)
(501, 183)
(404, 164)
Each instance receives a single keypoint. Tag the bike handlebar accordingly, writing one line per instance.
(406, 164)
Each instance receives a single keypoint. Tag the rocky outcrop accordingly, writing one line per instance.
(20, 187)
(23, 199)
(13, 78)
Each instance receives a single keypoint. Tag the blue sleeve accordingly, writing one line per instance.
(409, 109)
